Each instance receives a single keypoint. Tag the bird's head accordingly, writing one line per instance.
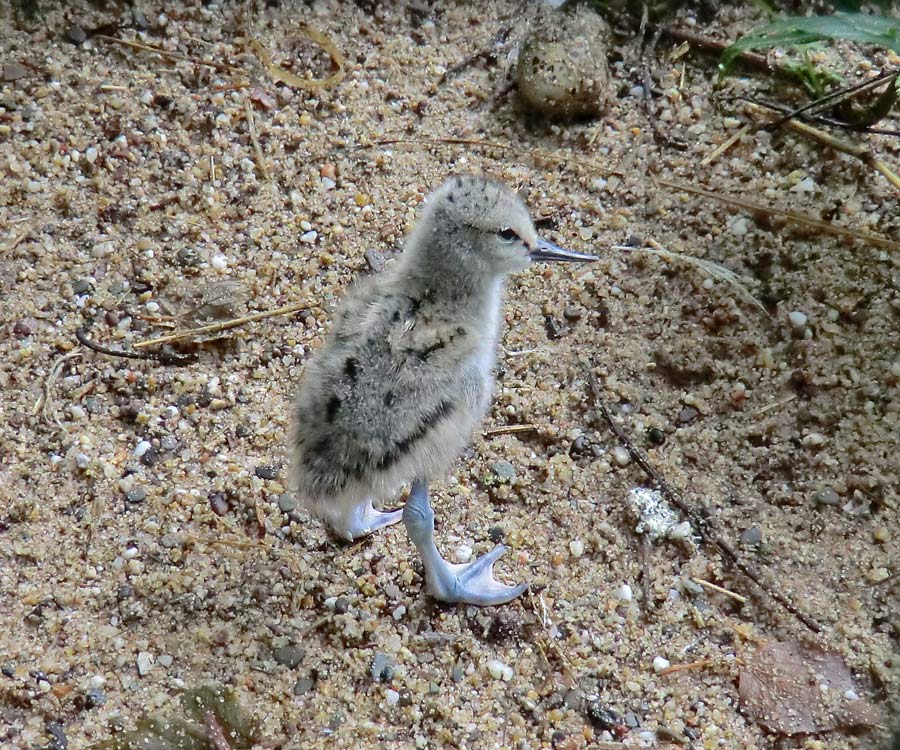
(488, 226)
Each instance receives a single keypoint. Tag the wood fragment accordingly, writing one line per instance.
(164, 358)
(703, 525)
(687, 667)
(715, 587)
(822, 226)
(725, 145)
(251, 126)
(223, 325)
(512, 429)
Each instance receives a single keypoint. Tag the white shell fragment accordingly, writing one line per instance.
(655, 518)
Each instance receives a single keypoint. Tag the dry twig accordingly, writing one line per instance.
(171, 55)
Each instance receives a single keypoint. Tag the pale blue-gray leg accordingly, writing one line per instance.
(363, 519)
(471, 583)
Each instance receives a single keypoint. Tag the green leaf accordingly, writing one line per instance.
(862, 28)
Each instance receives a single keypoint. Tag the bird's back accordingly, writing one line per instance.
(394, 393)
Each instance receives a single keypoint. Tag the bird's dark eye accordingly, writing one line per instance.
(509, 235)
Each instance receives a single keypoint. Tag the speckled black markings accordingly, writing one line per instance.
(331, 408)
(350, 368)
(389, 399)
(400, 448)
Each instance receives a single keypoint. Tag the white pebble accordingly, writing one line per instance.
(398, 613)
(144, 662)
(391, 697)
(851, 695)
(141, 448)
(659, 664)
(82, 461)
(499, 670)
(219, 262)
(91, 155)
(620, 456)
(797, 319)
(463, 553)
(814, 440)
(305, 225)
(683, 530)
(166, 660)
(576, 547)
(624, 593)
(309, 237)
(131, 552)
(97, 681)
(330, 602)
(806, 185)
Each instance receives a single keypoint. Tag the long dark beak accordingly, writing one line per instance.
(548, 251)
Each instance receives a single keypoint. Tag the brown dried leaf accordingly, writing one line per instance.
(790, 688)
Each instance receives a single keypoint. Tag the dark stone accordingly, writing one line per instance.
(76, 34)
(631, 720)
(25, 327)
(289, 656)
(136, 495)
(557, 739)
(573, 699)
(751, 537)
(503, 470)
(656, 436)
(572, 313)
(687, 415)
(826, 496)
(94, 698)
(266, 471)
(601, 717)
(125, 591)
(150, 457)
(8, 670)
(342, 605)
(496, 534)
(82, 286)
(304, 685)
(579, 445)
(58, 739)
(187, 257)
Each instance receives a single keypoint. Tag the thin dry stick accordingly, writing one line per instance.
(715, 587)
(251, 126)
(856, 150)
(223, 325)
(511, 429)
(164, 358)
(701, 664)
(171, 55)
(703, 526)
(727, 144)
(822, 226)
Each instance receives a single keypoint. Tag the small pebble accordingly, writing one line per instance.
(503, 471)
(620, 456)
(826, 496)
(13, 71)
(136, 495)
(287, 503)
(218, 504)
(463, 553)
(219, 262)
(309, 237)
(304, 685)
(82, 286)
(659, 664)
(576, 547)
(499, 670)
(624, 593)
(289, 656)
(141, 448)
(76, 34)
(266, 471)
(391, 697)
(797, 319)
(751, 537)
(94, 698)
(144, 663)
(381, 668)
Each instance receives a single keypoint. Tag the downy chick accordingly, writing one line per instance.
(406, 374)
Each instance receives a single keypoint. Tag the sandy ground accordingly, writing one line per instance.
(147, 537)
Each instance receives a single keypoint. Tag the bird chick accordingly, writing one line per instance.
(406, 374)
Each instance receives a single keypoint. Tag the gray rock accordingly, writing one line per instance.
(381, 669)
(170, 541)
(94, 698)
(342, 605)
(287, 503)
(76, 34)
(826, 496)
(751, 537)
(82, 286)
(188, 257)
(136, 495)
(304, 685)
(13, 71)
(375, 260)
(503, 470)
(266, 471)
(289, 656)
